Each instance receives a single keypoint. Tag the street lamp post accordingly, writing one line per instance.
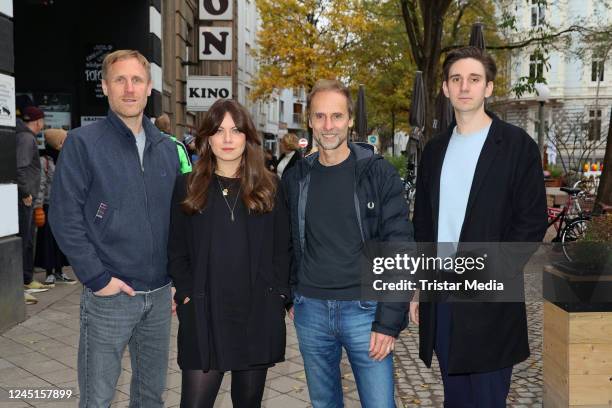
(543, 93)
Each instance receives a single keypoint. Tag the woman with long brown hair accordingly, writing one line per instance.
(229, 260)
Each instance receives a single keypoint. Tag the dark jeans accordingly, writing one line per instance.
(475, 390)
(26, 232)
(109, 324)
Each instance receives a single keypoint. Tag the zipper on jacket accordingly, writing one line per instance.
(356, 198)
(146, 198)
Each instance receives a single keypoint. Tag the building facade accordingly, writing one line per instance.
(181, 45)
(51, 54)
(577, 111)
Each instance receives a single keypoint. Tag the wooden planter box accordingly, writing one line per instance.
(553, 182)
(577, 352)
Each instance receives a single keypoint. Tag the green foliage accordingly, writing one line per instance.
(399, 162)
(555, 170)
(600, 229)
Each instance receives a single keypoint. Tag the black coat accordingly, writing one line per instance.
(292, 161)
(507, 203)
(268, 238)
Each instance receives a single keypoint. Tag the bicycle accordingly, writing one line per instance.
(588, 184)
(570, 221)
(409, 184)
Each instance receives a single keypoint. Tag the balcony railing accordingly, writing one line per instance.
(298, 118)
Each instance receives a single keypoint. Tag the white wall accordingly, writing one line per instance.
(8, 210)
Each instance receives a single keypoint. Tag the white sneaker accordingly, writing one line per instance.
(50, 280)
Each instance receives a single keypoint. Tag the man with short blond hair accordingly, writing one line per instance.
(110, 213)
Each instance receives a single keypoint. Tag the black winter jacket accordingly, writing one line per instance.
(382, 217)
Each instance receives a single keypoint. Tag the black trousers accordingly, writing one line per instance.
(476, 390)
(26, 232)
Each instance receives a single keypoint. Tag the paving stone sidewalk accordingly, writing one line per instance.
(419, 386)
(41, 353)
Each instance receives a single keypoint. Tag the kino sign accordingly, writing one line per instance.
(203, 91)
(215, 43)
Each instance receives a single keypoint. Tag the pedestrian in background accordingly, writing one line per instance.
(229, 260)
(28, 127)
(190, 143)
(110, 214)
(48, 255)
(163, 124)
(271, 160)
(290, 153)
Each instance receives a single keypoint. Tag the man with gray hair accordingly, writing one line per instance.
(340, 198)
(110, 212)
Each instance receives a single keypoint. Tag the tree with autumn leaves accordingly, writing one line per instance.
(382, 43)
(301, 41)
(361, 42)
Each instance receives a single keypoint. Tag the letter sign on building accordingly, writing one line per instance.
(216, 43)
(203, 91)
(216, 9)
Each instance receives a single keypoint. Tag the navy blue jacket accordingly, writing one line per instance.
(382, 215)
(109, 216)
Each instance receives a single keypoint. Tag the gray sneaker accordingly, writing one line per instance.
(63, 278)
(50, 280)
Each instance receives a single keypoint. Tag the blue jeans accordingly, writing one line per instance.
(325, 326)
(108, 325)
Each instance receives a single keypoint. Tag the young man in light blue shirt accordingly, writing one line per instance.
(480, 181)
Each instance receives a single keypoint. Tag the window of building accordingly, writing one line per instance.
(273, 110)
(594, 124)
(536, 67)
(247, 16)
(297, 113)
(597, 69)
(281, 112)
(247, 57)
(537, 12)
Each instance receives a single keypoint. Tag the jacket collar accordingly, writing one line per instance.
(486, 158)
(446, 135)
(20, 126)
(153, 134)
(363, 157)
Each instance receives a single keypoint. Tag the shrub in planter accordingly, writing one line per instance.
(594, 250)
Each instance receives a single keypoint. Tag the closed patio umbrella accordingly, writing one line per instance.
(477, 36)
(361, 115)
